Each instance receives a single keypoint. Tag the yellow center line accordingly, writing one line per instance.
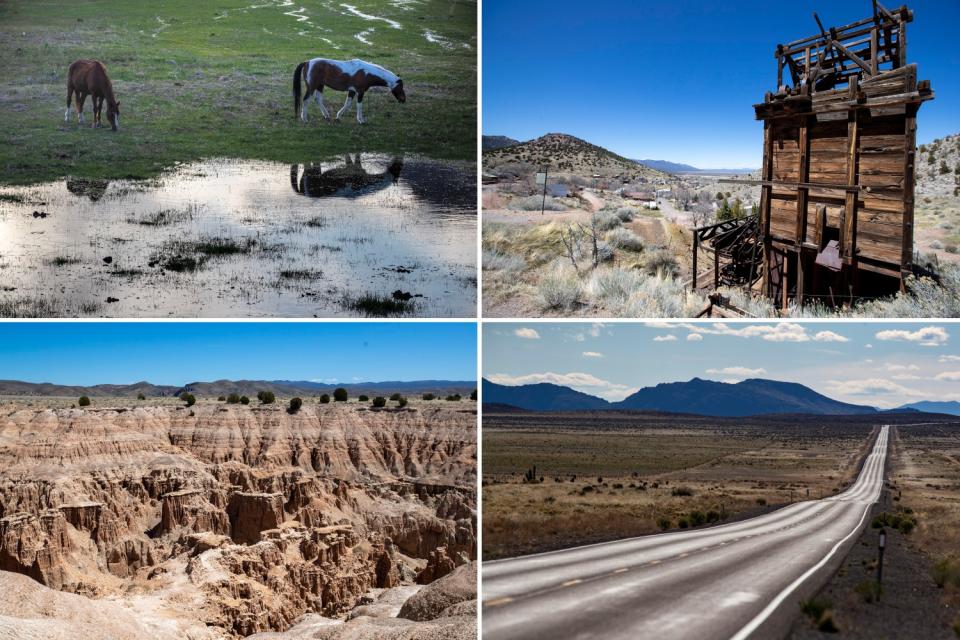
(496, 602)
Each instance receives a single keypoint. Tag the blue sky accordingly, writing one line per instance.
(85, 353)
(879, 364)
(676, 80)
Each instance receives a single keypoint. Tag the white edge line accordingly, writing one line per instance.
(761, 617)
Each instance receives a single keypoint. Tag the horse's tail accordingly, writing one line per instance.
(297, 90)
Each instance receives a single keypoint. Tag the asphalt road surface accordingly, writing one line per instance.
(739, 580)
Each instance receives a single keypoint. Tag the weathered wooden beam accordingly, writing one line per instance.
(794, 185)
(850, 223)
(765, 200)
(909, 175)
(804, 173)
(873, 52)
(852, 56)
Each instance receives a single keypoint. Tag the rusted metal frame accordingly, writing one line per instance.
(909, 167)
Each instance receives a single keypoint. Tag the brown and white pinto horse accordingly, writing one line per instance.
(355, 77)
(89, 78)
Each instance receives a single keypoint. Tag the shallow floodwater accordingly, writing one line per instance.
(225, 238)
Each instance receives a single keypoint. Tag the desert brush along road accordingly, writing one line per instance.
(739, 580)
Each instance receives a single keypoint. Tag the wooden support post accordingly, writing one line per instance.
(873, 52)
(785, 282)
(850, 217)
(800, 276)
(779, 66)
(802, 192)
(716, 268)
(902, 43)
(765, 203)
(806, 65)
(909, 176)
(695, 243)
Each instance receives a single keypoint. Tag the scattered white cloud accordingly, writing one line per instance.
(927, 336)
(694, 337)
(900, 367)
(906, 376)
(595, 329)
(872, 387)
(585, 382)
(592, 354)
(667, 338)
(945, 359)
(868, 346)
(829, 336)
(949, 376)
(526, 333)
(579, 337)
(737, 371)
(779, 332)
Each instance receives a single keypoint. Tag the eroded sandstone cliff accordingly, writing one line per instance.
(240, 519)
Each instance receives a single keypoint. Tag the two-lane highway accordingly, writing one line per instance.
(729, 581)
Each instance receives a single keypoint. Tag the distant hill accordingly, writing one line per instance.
(749, 397)
(498, 142)
(937, 167)
(950, 407)
(540, 397)
(242, 387)
(696, 396)
(676, 167)
(568, 154)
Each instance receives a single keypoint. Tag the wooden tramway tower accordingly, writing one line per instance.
(839, 147)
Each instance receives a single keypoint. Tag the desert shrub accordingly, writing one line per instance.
(379, 402)
(223, 398)
(428, 396)
(951, 248)
(697, 518)
(946, 571)
(605, 220)
(401, 402)
(188, 398)
(925, 298)
(339, 394)
(295, 404)
(713, 516)
(506, 263)
(244, 400)
(612, 288)
(559, 287)
(473, 394)
(626, 213)
(625, 239)
(664, 297)
(815, 608)
(936, 244)
(661, 261)
(140, 396)
(663, 523)
(533, 203)
(325, 398)
(233, 398)
(454, 397)
(266, 397)
(604, 252)
(762, 502)
(84, 401)
(869, 591)
(682, 491)
(682, 523)
(394, 396)
(364, 398)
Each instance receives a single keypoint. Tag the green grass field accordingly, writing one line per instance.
(213, 79)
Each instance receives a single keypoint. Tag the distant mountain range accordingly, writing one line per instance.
(676, 167)
(498, 142)
(696, 396)
(226, 387)
(950, 407)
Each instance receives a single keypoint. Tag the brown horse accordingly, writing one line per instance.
(89, 78)
(353, 76)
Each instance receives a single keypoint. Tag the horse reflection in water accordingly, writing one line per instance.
(348, 180)
(93, 189)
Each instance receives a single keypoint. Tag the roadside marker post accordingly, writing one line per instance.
(542, 179)
(883, 543)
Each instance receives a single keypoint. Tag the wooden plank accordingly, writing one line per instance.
(804, 171)
(909, 175)
(765, 193)
(873, 52)
(850, 222)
